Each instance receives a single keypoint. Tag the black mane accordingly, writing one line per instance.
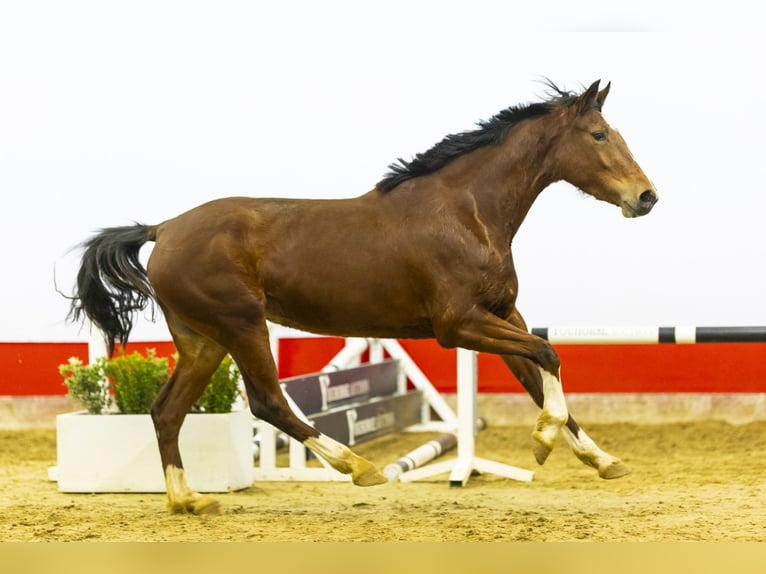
(489, 132)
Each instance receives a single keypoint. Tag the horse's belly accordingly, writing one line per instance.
(348, 317)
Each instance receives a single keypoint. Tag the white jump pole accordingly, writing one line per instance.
(425, 453)
(421, 455)
(647, 334)
(460, 469)
(348, 356)
(421, 382)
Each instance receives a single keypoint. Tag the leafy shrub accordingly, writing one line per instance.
(222, 390)
(87, 383)
(136, 380)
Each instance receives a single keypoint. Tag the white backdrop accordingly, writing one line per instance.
(135, 111)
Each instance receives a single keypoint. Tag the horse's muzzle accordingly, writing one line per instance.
(644, 205)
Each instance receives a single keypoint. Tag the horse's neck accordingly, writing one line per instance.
(507, 182)
(495, 184)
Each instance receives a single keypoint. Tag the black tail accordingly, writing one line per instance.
(112, 283)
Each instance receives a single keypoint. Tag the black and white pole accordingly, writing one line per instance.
(460, 468)
(648, 335)
(421, 455)
(426, 453)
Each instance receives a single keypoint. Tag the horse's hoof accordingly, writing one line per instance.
(197, 505)
(547, 428)
(543, 439)
(540, 450)
(369, 476)
(614, 470)
(206, 505)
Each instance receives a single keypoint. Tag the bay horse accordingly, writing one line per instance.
(425, 254)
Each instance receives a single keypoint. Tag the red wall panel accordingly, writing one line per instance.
(32, 368)
(664, 368)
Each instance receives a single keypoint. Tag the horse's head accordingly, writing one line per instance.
(592, 155)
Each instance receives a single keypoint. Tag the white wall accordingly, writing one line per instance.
(115, 112)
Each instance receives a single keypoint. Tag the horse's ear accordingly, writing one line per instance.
(588, 99)
(602, 96)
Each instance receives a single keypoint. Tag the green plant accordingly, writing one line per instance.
(87, 383)
(136, 380)
(222, 390)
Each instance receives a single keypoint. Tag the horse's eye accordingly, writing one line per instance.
(599, 136)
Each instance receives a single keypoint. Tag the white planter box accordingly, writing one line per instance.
(119, 453)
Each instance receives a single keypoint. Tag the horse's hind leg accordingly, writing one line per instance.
(582, 445)
(252, 353)
(198, 358)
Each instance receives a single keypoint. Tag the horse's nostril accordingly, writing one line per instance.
(648, 197)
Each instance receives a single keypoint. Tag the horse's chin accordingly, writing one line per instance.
(631, 212)
(628, 212)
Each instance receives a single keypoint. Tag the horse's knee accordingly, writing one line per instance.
(548, 359)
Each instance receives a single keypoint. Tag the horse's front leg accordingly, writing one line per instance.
(480, 330)
(582, 445)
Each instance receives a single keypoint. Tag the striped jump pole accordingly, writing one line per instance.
(648, 335)
(421, 455)
(461, 468)
(426, 453)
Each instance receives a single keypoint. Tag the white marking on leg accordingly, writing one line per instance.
(332, 451)
(587, 451)
(554, 402)
(342, 459)
(179, 493)
(181, 498)
(552, 417)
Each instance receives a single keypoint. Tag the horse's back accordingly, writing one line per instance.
(319, 265)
